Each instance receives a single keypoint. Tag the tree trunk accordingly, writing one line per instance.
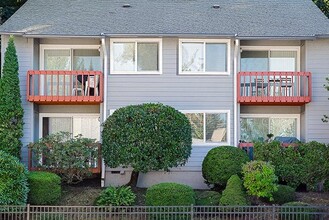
(133, 179)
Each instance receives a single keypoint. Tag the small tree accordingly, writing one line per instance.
(11, 111)
(146, 137)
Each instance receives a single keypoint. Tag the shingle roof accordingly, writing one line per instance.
(246, 18)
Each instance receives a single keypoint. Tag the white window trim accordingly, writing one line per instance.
(136, 40)
(205, 144)
(204, 41)
(228, 131)
(62, 115)
(44, 47)
(274, 48)
(297, 116)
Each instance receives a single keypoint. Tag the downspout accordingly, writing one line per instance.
(105, 74)
(236, 67)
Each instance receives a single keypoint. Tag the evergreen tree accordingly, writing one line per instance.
(11, 111)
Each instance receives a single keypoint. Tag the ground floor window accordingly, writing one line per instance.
(256, 127)
(88, 124)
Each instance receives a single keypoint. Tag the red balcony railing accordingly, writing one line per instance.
(274, 88)
(60, 87)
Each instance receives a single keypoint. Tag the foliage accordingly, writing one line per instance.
(234, 193)
(68, 156)
(13, 180)
(117, 196)
(284, 194)
(146, 137)
(170, 194)
(259, 179)
(323, 5)
(221, 163)
(11, 111)
(207, 198)
(45, 188)
(305, 213)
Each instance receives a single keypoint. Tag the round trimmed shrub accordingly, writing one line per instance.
(234, 193)
(207, 198)
(221, 163)
(117, 196)
(259, 179)
(146, 137)
(284, 194)
(170, 194)
(13, 180)
(45, 188)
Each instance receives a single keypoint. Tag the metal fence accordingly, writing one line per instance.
(164, 212)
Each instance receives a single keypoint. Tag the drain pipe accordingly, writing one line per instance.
(105, 74)
(236, 67)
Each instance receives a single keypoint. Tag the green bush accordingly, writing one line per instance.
(13, 181)
(146, 137)
(45, 188)
(302, 211)
(207, 198)
(65, 155)
(259, 179)
(221, 163)
(234, 193)
(170, 194)
(284, 194)
(117, 196)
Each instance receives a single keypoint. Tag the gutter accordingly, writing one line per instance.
(235, 72)
(105, 74)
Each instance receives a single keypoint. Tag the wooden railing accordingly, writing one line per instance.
(61, 87)
(274, 88)
(95, 163)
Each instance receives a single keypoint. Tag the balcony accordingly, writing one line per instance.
(274, 88)
(64, 87)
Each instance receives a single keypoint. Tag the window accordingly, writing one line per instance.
(253, 60)
(142, 56)
(256, 127)
(209, 127)
(204, 57)
(87, 125)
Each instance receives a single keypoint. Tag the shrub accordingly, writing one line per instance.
(69, 157)
(11, 110)
(234, 193)
(45, 188)
(284, 194)
(146, 137)
(221, 163)
(259, 179)
(13, 181)
(170, 194)
(304, 213)
(117, 196)
(207, 198)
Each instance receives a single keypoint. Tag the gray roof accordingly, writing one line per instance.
(244, 18)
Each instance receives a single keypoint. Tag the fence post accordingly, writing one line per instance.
(28, 212)
(273, 212)
(191, 212)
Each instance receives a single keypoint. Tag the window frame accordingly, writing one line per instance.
(272, 116)
(273, 48)
(228, 127)
(44, 47)
(204, 42)
(136, 40)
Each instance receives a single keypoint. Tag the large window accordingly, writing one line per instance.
(209, 127)
(142, 56)
(256, 127)
(204, 57)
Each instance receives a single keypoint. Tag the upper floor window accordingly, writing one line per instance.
(267, 59)
(141, 56)
(204, 56)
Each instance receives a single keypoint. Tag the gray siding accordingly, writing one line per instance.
(317, 62)
(182, 92)
(24, 47)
